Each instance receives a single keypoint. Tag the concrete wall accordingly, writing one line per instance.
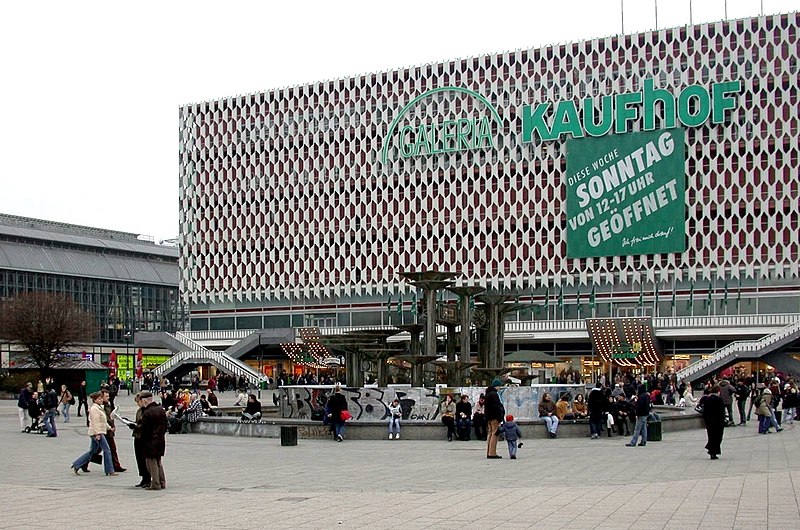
(418, 404)
(673, 420)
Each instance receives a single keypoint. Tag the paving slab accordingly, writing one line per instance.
(229, 482)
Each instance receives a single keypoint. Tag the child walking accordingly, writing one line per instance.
(512, 433)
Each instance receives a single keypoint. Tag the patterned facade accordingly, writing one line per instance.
(285, 195)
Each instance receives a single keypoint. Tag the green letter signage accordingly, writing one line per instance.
(442, 135)
(691, 107)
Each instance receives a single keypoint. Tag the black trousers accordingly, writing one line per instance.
(141, 463)
(84, 404)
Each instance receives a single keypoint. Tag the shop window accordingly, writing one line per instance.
(199, 324)
(251, 322)
(222, 323)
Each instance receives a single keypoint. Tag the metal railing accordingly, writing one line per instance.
(197, 352)
(737, 347)
(550, 326)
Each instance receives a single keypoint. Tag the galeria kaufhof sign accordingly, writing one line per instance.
(625, 190)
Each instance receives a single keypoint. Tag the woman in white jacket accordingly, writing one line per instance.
(98, 427)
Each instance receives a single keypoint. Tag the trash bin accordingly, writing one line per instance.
(288, 436)
(654, 431)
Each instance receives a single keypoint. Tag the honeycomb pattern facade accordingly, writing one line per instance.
(283, 194)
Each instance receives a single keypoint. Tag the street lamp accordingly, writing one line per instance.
(128, 357)
(260, 368)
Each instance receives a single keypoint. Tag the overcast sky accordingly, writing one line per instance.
(90, 90)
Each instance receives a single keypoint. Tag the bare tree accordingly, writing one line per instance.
(45, 324)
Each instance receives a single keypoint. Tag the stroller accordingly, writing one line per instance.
(36, 414)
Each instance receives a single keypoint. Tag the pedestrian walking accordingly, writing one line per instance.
(714, 415)
(337, 406)
(510, 430)
(642, 413)
(66, 401)
(98, 427)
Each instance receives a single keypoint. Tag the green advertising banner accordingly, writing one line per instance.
(626, 194)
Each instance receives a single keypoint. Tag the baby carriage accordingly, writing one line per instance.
(36, 426)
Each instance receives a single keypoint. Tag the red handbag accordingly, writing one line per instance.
(345, 415)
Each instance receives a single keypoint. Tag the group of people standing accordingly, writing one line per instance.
(148, 431)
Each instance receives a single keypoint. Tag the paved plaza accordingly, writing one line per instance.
(224, 482)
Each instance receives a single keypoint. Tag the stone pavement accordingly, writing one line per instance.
(224, 482)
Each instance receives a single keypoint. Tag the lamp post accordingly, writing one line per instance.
(260, 368)
(128, 357)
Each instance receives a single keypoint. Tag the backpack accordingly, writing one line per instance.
(757, 400)
(71, 399)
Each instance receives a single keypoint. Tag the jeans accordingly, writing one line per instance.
(640, 429)
(774, 420)
(463, 426)
(394, 425)
(101, 444)
(742, 414)
(50, 422)
(551, 422)
(339, 428)
(65, 412)
(512, 447)
(596, 427)
(763, 424)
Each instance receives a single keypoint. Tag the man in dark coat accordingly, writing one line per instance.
(597, 405)
(153, 432)
(714, 417)
(337, 404)
(494, 412)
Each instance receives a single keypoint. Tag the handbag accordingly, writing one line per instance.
(345, 415)
(97, 458)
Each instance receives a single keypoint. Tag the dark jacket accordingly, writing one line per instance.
(463, 407)
(252, 407)
(51, 399)
(493, 407)
(336, 404)
(597, 403)
(25, 398)
(511, 431)
(714, 412)
(643, 404)
(154, 428)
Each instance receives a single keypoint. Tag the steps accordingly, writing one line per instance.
(195, 353)
(741, 350)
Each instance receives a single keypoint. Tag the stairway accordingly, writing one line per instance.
(195, 353)
(741, 350)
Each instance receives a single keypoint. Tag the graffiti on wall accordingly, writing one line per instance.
(421, 404)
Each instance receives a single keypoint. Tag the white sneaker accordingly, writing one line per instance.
(390, 436)
(397, 436)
